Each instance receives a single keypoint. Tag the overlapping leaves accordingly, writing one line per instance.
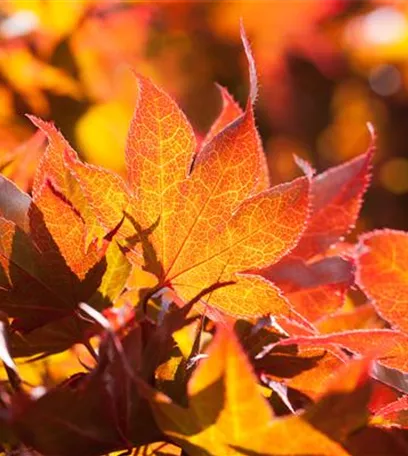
(194, 219)
(219, 242)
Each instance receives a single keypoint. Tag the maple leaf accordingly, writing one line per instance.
(196, 219)
(342, 407)
(394, 414)
(111, 419)
(361, 317)
(313, 279)
(52, 167)
(52, 337)
(127, 355)
(315, 289)
(382, 396)
(381, 273)
(46, 270)
(336, 199)
(230, 112)
(387, 346)
(306, 371)
(238, 420)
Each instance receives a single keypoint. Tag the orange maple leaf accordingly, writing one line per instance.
(227, 413)
(44, 268)
(194, 219)
(394, 414)
(387, 346)
(382, 274)
(313, 278)
(360, 317)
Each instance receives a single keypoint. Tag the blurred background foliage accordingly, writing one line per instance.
(325, 69)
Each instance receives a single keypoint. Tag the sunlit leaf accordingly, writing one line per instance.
(387, 346)
(314, 289)
(362, 317)
(228, 415)
(47, 270)
(382, 274)
(394, 414)
(336, 198)
(197, 219)
(306, 371)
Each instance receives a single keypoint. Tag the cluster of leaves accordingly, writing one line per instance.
(220, 314)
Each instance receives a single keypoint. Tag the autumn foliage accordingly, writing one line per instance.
(202, 311)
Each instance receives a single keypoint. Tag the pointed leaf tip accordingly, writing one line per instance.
(34, 119)
(371, 130)
(305, 166)
(229, 113)
(41, 124)
(336, 196)
(253, 78)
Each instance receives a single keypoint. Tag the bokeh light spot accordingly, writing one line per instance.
(394, 175)
(385, 25)
(19, 24)
(385, 80)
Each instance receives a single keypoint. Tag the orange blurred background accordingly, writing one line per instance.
(326, 68)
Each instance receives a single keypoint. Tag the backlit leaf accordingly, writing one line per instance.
(228, 415)
(258, 233)
(60, 238)
(307, 371)
(361, 317)
(343, 407)
(53, 166)
(336, 198)
(394, 414)
(230, 112)
(382, 274)
(387, 346)
(314, 289)
(47, 270)
(198, 220)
